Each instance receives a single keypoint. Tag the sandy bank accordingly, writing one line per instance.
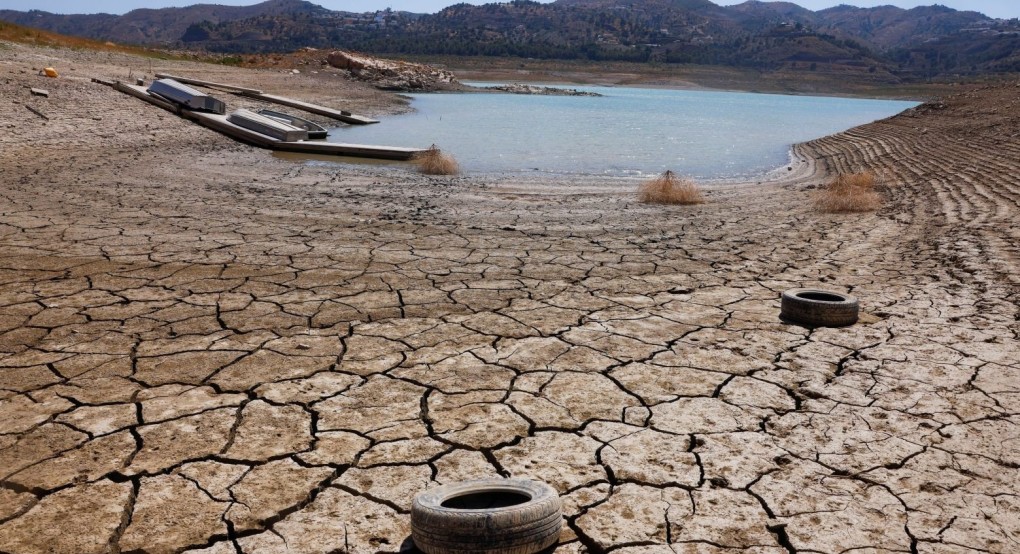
(205, 348)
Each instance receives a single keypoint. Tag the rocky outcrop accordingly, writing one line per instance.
(415, 77)
(391, 74)
(520, 88)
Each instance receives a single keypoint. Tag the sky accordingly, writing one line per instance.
(995, 8)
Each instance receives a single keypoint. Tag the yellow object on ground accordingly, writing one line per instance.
(50, 72)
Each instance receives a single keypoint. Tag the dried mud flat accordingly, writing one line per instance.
(204, 348)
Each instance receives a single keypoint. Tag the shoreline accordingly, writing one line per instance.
(702, 78)
(690, 87)
(771, 174)
(205, 348)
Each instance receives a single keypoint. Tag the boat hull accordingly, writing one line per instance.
(315, 131)
(186, 96)
(267, 126)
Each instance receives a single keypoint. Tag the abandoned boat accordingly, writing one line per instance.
(269, 126)
(187, 97)
(315, 131)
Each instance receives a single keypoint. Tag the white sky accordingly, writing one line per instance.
(994, 8)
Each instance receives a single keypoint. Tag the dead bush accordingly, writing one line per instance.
(668, 188)
(434, 162)
(849, 193)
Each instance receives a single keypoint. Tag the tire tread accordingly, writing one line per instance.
(816, 313)
(525, 528)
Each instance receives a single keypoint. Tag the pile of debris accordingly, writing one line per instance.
(393, 75)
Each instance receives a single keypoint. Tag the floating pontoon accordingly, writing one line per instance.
(222, 124)
(340, 115)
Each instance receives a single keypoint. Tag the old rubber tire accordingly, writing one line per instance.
(491, 516)
(819, 308)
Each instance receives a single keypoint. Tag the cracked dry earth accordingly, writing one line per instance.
(207, 349)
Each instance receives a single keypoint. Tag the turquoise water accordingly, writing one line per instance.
(627, 132)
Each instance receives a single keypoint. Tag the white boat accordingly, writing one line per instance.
(185, 96)
(268, 126)
(315, 131)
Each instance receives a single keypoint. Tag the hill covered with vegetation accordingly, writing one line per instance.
(883, 43)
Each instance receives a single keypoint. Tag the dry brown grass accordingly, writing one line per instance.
(668, 188)
(38, 37)
(850, 193)
(434, 162)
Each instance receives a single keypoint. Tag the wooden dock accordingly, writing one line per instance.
(220, 123)
(339, 115)
(210, 84)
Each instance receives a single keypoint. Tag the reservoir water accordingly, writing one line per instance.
(626, 132)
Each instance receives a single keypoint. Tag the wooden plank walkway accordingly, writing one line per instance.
(339, 115)
(220, 123)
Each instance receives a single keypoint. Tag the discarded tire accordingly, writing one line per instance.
(492, 516)
(819, 308)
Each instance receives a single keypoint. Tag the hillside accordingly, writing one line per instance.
(883, 43)
(890, 27)
(12, 32)
(163, 26)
